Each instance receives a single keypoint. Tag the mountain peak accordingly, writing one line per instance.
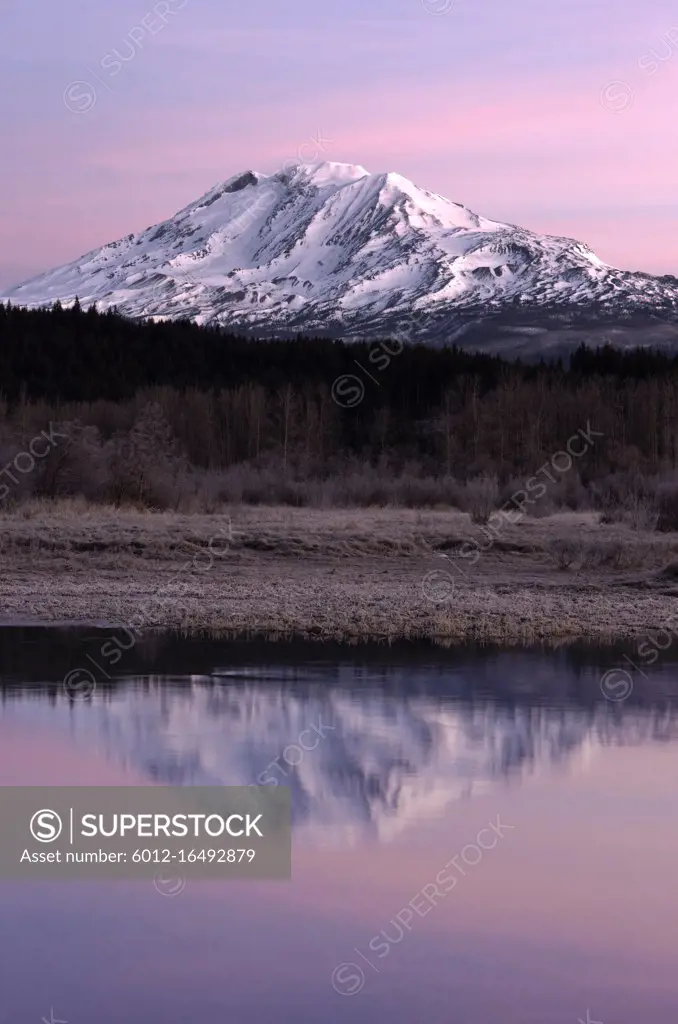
(323, 172)
(331, 248)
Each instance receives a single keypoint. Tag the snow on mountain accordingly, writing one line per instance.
(333, 249)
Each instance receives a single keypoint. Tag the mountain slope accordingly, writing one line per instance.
(331, 248)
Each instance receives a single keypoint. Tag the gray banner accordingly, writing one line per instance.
(170, 832)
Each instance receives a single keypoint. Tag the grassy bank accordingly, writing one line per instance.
(342, 574)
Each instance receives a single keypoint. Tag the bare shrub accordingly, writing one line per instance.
(541, 509)
(596, 554)
(569, 493)
(349, 485)
(479, 497)
(361, 488)
(604, 553)
(426, 491)
(565, 553)
(627, 498)
(536, 507)
(612, 554)
(638, 556)
(144, 465)
(566, 493)
(74, 466)
(612, 515)
(641, 514)
(620, 497)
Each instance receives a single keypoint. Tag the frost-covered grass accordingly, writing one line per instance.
(337, 574)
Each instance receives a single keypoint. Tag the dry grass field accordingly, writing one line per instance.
(336, 574)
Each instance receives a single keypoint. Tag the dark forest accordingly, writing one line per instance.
(154, 412)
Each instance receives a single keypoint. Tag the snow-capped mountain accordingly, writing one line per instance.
(329, 248)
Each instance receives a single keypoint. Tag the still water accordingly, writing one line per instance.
(478, 835)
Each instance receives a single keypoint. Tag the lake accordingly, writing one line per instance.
(479, 835)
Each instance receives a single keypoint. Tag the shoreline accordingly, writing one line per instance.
(480, 619)
(337, 575)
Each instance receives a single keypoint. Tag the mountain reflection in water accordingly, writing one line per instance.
(367, 751)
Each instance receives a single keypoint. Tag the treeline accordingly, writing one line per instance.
(162, 412)
(77, 355)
